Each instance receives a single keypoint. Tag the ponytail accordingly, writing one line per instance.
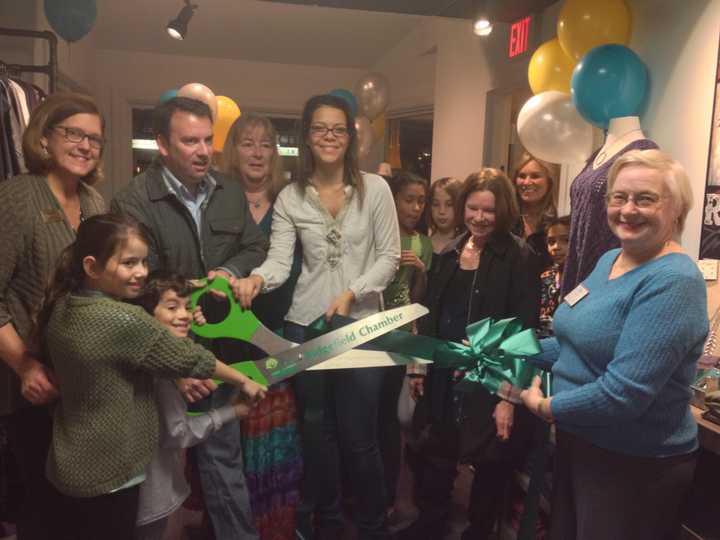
(99, 237)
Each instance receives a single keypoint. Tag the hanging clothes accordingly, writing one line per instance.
(18, 99)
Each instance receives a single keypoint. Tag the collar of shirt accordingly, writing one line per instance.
(183, 192)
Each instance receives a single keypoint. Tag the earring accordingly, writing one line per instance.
(44, 152)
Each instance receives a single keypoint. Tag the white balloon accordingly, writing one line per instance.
(364, 135)
(550, 128)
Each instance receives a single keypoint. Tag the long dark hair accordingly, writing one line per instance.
(403, 178)
(306, 161)
(99, 236)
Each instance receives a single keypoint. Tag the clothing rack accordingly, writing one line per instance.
(50, 69)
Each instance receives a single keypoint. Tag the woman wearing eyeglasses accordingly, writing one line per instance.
(347, 225)
(627, 342)
(39, 214)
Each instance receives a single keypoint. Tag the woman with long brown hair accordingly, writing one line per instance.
(347, 225)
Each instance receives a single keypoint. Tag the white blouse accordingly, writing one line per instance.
(359, 249)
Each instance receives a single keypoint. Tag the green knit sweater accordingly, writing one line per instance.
(105, 354)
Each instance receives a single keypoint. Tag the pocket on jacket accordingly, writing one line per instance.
(223, 242)
(232, 226)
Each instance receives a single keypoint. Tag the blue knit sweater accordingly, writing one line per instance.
(623, 357)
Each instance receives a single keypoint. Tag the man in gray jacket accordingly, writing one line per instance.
(200, 225)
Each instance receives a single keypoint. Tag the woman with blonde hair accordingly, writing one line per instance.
(40, 213)
(271, 452)
(536, 189)
(627, 342)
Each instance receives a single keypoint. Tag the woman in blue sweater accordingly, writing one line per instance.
(627, 340)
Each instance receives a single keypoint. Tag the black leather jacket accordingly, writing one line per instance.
(506, 283)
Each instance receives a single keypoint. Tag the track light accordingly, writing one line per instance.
(481, 22)
(177, 28)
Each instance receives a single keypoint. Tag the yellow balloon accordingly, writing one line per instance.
(585, 24)
(378, 127)
(550, 68)
(227, 113)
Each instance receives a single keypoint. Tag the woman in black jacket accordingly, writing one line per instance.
(487, 272)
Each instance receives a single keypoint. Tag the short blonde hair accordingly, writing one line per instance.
(230, 160)
(672, 173)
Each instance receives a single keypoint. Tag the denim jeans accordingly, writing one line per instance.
(338, 413)
(220, 464)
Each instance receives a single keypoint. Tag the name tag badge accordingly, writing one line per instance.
(50, 215)
(577, 294)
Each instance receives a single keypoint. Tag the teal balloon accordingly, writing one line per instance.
(610, 81)
(348, 96)
(71, 19)
(167, 96)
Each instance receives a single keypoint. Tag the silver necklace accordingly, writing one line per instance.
(256, 203)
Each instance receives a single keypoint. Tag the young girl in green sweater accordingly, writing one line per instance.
(106, 354)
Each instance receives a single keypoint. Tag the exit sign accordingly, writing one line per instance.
(519, 31)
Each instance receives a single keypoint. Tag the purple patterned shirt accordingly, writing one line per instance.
(590, 235)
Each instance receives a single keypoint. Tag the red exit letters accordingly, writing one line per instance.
(519, 37)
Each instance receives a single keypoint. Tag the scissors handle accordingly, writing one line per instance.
(239, 323)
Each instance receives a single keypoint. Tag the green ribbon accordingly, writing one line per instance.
(494, 358)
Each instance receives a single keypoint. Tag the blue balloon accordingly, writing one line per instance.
(71, 19)
(167, 96)
(348, 96)
(610, 81)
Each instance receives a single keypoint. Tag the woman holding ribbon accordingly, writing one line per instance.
(624, 356)
(346, 223)
(486, 272)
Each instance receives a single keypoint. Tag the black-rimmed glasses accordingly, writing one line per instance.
(75, 135)
(319, 130)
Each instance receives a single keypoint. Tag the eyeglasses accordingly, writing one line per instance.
(75, 135)
(318, 130)
(618, 199)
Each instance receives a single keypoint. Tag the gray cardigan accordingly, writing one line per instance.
(33, 233)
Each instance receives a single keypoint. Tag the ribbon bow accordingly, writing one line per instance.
(494, 358)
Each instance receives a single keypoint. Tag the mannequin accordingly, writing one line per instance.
(590, 235)
(621, 132)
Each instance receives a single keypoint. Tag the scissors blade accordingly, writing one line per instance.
(285, 364)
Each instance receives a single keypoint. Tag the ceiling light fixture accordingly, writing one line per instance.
(177, 28)
(481, 22)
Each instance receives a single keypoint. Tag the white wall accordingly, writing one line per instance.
(410, 70)
(127, 79)
(16, 15)
(679, 43)
(462, 79)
